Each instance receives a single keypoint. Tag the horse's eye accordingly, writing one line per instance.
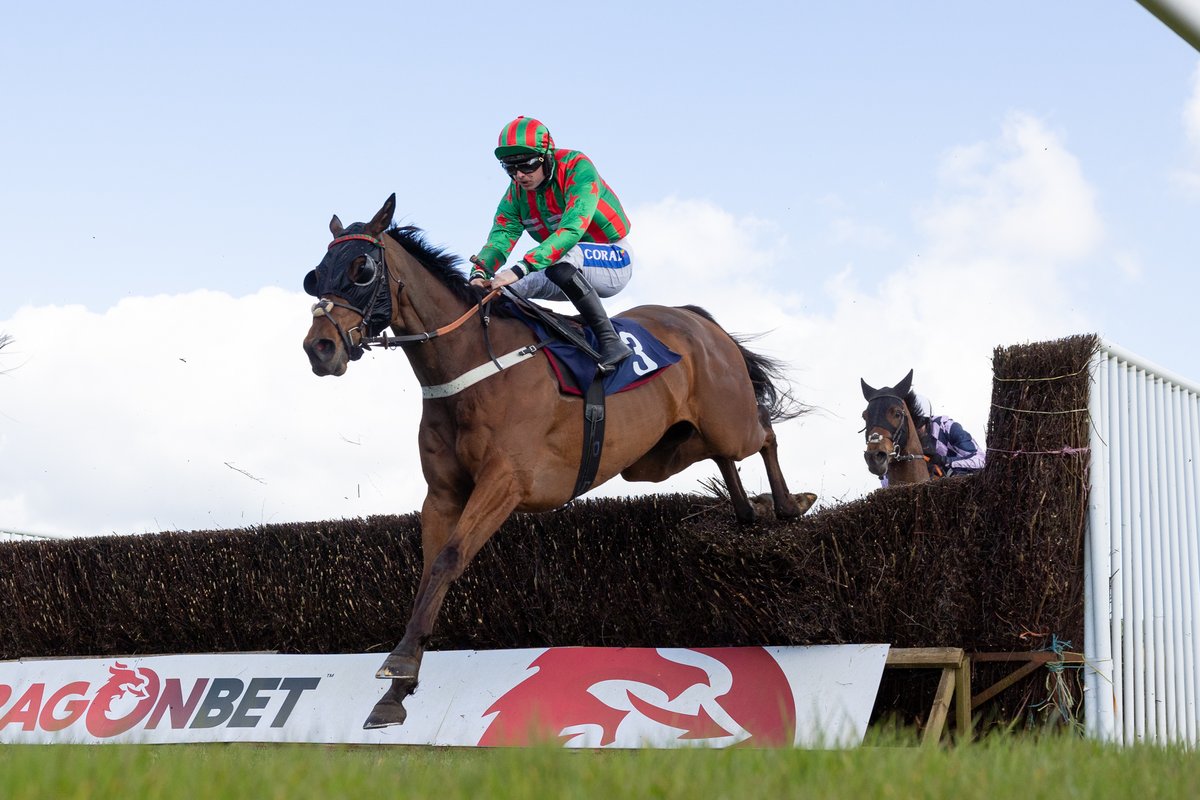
(363, 270)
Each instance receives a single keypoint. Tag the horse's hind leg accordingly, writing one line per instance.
(786, 506)
(737, 493)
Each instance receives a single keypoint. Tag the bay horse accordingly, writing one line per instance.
(893, 443)
(512, 442)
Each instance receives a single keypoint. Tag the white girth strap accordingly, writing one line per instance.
(474, 376)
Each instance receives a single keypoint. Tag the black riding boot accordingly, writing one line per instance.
(581, 294)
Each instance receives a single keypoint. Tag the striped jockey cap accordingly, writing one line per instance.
(524, 136)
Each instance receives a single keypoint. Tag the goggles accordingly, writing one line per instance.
(525, 166)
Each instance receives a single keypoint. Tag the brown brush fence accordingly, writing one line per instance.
(990, 562)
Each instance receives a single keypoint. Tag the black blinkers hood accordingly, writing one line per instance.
(332, 277)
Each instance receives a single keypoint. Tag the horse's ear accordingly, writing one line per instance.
(903, 386)
(383, 220)
(868, 392)
(336, 227)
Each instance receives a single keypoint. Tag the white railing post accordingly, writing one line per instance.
(1097, 633)
(1142, 553)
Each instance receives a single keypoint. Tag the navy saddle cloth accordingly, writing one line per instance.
(576, 370)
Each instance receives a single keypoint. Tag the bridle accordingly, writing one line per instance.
(379, 284)
(898, 437)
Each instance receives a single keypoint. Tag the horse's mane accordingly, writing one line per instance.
(910, 400)
(443, 264)
(437, 260)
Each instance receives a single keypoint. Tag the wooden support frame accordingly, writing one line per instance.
(1033, 660)
(955, 684)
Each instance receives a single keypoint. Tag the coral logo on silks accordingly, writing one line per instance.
(137, 696)
(604, 255)
(588, 697)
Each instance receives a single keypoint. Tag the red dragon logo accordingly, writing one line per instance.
(123, 701)
(596, 697)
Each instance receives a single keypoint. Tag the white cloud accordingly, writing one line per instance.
(692, 252)
(1021, 197)
(1011, 221)
(149, 416)
(199, 410)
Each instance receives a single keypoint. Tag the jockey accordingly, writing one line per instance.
(560, 199)
(947, 444)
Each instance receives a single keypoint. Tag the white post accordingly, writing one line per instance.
(1131, 656)
(1098, 671)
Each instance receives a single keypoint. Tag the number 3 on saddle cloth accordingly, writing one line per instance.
(576, 372)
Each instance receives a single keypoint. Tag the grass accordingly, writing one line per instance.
(1058, 767)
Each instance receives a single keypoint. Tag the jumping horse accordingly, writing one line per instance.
(511, 442)
(893, 444)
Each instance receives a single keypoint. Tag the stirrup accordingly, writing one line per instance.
(608, 362)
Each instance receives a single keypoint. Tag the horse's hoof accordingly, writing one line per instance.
(402, 668)
(385, 713)
(795, 506)
(804, 500)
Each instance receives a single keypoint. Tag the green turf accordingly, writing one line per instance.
(1025, 768)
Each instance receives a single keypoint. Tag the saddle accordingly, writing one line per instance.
(570, 348)
(572, 351)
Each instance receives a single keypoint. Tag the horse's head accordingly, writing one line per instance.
(354, 299)
(889, 429)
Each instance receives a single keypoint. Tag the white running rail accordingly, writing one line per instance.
(1142, 553)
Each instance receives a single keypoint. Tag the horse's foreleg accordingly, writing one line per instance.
(404, 662)
(786, 506)
(436, 525)
(737, 493)
(493, 499)
(390, 708)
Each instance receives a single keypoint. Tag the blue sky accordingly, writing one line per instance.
(874, 187)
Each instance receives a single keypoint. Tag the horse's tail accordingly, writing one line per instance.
(766, 374)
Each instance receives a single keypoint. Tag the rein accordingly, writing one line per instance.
(385, 341)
